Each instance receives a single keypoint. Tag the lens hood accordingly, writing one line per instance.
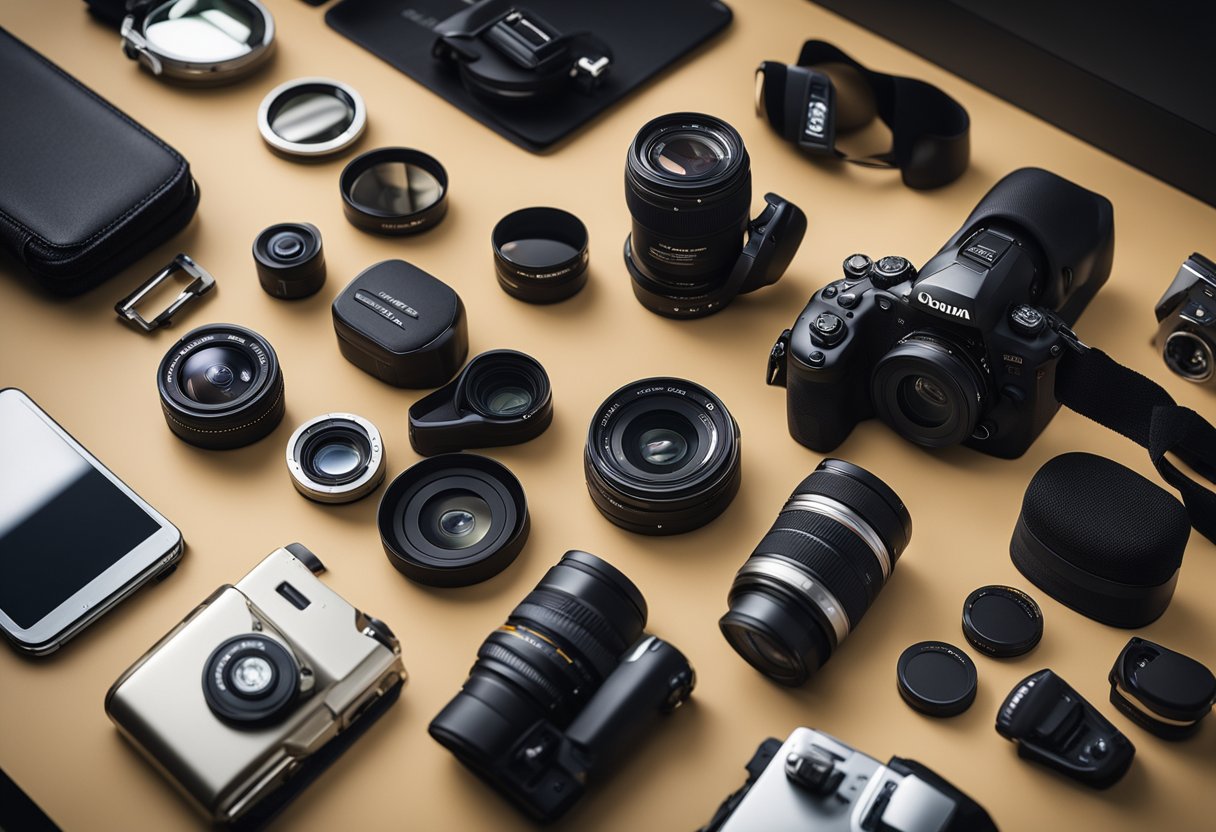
(540, 254)
(502, 397)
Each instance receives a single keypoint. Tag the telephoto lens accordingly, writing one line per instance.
(813, 576)
(662, 457)
(221, 387)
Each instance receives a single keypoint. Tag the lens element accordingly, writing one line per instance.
(929, 390)
(394, 191)
(336, 458)
(1190, 356)
(311, 118)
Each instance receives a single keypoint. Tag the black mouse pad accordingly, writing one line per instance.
(645, 37)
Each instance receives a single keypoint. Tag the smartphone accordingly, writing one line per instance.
(74, 538)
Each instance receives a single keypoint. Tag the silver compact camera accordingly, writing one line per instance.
(249, 698)
(814, 782)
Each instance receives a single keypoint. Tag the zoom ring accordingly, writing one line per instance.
(838, 566)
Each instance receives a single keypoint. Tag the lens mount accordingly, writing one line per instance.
(929, 390)
(662, 456)
(1190, 356)
(251, 680)
(221, 387)
(336, 458)
(453, 520)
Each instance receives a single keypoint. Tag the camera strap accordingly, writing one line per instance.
(1095, 385)
(114, 12)
(929, 129)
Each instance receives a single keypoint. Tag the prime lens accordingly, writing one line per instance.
(221, 387)
(688, 187)
(813, 576)
(662, 456)
(1189, 356)
(336, 458)
(929, 390)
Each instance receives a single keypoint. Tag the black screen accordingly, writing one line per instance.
(62, 522)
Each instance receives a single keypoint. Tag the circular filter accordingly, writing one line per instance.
(453, 520)
(336, 458)
(936, 678)
(1002, 621)
(540, 254)
(395, 191)
(311, 118)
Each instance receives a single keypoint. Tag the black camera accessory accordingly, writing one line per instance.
(501, 397)
(810, 580)
(1164, 692)
(936, 678)
(221, 387)
(1187, 316)
(311, 118)
(662, 457)
(252, 680)
(453, 520)
(930, 131)
(336, 458)
(401, 325)
(201, 282)
(394, 191)
(688, 186)
(506, 54)
(540, 254)
(1052, 724)
(289, 260)
(1101, 539)
(199, 42)
(55, 131)
(1002, 621)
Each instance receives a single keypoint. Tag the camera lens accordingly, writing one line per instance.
(688, 187)
(813, 576)
(395, 191)
(1189, 356)
(929, 390)
(453, 520)
(221, 387)
(251, 681)
(336, 458)
(289, 260)
(662, 457)
(552, 654)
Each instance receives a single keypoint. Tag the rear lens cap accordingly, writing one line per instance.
(1002, 621)
(936, 678)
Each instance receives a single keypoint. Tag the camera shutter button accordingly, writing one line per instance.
(857, 266)
(827, 329)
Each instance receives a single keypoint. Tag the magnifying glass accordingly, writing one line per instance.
(204, 42)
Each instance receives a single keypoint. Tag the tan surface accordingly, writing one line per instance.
(96, 377)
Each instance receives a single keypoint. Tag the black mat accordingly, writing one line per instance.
(645, 37)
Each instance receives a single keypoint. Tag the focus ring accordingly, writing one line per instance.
(864, 502)
(560, 627)
(695, 220)
(581, 615)
(829, 564)
(808, 525)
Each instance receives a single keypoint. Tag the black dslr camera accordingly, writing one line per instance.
(1187, 313)
(966, 350)
(815, 783)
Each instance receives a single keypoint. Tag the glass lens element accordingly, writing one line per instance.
(396, 188)
(311, 116)
(216, 375)
(924, 401)
(1189, 356)
(204, 31)
(455, 519)
(509, 401)
(661, 446)
(337, 458)
(252, 675)
(687, 156)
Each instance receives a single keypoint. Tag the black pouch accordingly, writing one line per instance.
(84, 190)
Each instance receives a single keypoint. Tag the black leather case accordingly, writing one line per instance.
(84, 189)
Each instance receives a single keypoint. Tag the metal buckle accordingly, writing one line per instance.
(201, 284)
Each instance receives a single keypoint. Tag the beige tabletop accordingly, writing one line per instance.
(97, 378)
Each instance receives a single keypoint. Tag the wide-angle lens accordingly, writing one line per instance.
(336, 458)
(662, 456)
(929, 390)
(810, 580)
(1189, 356)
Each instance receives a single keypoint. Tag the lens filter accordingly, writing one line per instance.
(540, 254)
(395, 191)
(311, 118)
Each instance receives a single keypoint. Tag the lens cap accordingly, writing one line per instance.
(540, 254)
(1002, 621)
(936, 678)
(311, 118)
(394, 191)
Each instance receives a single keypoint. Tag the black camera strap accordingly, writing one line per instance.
(1095, 385)
(930, 130)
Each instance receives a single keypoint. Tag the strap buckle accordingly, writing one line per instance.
(202, 283)
(775, 375)
(1066, 334)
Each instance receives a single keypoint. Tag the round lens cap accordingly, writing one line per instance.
(936, 678)
(1002, 621)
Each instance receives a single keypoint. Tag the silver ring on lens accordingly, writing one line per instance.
(1204, 363)
(200, 42)
(311, 118)
(845, 516)
(361, 479)
(780, 570)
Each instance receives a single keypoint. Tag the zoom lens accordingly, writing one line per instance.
(1189, 356)
(552, 654)
(336, 458)
(929, 390)
(688, 187)
(221, 387)
(813, 576)
(662, 457)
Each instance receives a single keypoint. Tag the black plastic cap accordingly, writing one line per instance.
(936, 678)
(1164, 692)
(1002, 621)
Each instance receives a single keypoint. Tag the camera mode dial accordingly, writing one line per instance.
(1027, 321)
(890, 270)
(827, 329)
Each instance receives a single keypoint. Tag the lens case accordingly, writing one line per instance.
(1164, 692)
(336, 458)
(1101, 539)
(502, 397)
(311, 118)
(540, 254)
(394, 191)
(453, 520)
(401, 325)
(290, 261)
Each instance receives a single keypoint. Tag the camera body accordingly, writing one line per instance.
(815, 782)
(965, 350)
(1187, 316)
(263, 685)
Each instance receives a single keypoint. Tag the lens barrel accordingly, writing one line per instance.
(810, 580)
(662, 457)
(929, 390)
